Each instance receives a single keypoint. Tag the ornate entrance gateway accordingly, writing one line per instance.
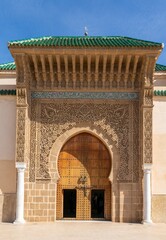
(84, 165)
(102, 85)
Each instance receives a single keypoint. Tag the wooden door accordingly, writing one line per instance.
(84, 164)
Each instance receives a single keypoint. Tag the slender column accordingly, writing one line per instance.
(20, 193)
(147, 193)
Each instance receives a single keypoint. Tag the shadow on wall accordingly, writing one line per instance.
(7, 190)
(7, 207)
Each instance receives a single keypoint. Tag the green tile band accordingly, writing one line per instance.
(7, 92)
(86, 95)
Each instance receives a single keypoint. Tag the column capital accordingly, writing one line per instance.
(21, 165)
(147, 166)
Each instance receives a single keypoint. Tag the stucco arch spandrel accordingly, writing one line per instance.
(109, 121)
(61, 140)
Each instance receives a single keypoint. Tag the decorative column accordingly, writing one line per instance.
(22, 128)
(21, 166)
(147, 193)
(146, 114)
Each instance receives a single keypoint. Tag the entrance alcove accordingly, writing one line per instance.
(84, 166)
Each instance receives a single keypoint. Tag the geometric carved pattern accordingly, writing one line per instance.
(113, 120)
(147, 141)
(20, 152)
(148, 97)
(86, 95)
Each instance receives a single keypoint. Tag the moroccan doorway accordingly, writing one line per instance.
(84, 190)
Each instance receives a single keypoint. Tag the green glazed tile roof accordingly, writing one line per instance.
(8, 66)
(160, 68)
(84, 41)
(7, 92)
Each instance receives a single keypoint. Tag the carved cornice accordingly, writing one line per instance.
(89, 70)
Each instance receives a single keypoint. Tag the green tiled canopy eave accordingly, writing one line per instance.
(84, 41)
(160, 68)
(8, 66)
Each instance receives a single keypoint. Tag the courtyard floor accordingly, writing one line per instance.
(82, 230)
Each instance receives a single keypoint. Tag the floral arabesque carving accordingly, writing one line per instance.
(54, 118)
(20, 135)
(147, 136)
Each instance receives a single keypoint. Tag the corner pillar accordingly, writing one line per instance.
(21, 166)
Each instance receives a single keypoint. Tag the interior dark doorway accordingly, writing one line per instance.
(97, 204)
(69, 203)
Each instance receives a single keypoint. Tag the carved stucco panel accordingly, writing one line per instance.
(20, 134)
(113, 120)
(147, 135)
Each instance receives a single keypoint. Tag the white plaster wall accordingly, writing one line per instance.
(7, 127)
(159, 146)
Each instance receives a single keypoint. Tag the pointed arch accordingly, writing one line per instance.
(62, 139)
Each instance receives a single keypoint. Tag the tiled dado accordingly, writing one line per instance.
(159, 208)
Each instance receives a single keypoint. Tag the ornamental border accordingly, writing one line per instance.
(86, 95)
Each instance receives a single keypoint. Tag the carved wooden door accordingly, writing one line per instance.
(84, 164)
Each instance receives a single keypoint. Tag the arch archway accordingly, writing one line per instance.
(84, 189)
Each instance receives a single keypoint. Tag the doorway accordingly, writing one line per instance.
(69, 203)
(97, 204)
(84, 190)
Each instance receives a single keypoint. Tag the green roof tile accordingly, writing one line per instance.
(8, 66)
(84, 41)
(160, 68)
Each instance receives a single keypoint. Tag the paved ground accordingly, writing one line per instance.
(82, 230)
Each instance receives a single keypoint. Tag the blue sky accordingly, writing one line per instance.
(20, 19)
